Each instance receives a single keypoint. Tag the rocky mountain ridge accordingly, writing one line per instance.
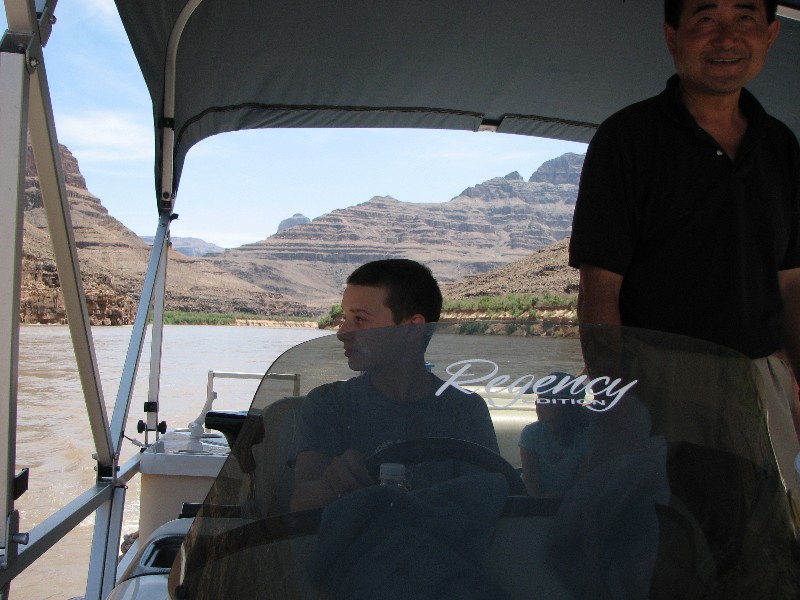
(485, 227)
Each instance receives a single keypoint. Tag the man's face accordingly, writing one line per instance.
(720, 45)
(364, 308)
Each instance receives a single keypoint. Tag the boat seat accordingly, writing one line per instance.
(274, 456)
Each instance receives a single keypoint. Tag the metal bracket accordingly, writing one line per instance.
(489, 125)
(16, 43)
(22, 43)
(45, 18)
(106, 472)
(14, 539)
(20, 483)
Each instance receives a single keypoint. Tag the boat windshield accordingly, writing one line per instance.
(619, 463)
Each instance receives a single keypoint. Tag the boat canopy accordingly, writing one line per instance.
(546, 69)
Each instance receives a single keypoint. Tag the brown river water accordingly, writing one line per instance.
(53, 437)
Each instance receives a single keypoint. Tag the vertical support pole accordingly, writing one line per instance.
(126, 384)
(102, 574)
(14, 88)
(156, 337)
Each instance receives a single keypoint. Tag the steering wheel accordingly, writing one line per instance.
(432, 449)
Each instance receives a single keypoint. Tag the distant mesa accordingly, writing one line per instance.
(189, 246)
(296, 219)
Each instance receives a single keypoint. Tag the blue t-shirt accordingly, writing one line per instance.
(558, 463)
(353, 414)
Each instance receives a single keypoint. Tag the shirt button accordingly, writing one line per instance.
(720, 153)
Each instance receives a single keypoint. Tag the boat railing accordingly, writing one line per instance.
(211, 394)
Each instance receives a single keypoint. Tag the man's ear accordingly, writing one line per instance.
(774, 28)
(669, 37)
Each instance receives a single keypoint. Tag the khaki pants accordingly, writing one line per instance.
(780, 404)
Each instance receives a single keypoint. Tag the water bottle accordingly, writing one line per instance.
(393, 475)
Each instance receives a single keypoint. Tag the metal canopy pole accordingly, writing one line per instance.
(126, 384)
(13, 117)
(156, 337)
(41, 127)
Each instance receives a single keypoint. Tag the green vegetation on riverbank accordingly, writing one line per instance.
(518, 307)
(332, 318)
(178, 317)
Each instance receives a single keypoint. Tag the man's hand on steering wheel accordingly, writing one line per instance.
(347, 472)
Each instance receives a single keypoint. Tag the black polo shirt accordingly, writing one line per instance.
(699, 239)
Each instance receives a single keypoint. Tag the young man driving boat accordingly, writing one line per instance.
(386, 305)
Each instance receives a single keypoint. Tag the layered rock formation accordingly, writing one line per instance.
(545, 270)
(113, 262)
(483, 228)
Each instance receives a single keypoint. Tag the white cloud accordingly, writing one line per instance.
(106, 136)
(103, 9)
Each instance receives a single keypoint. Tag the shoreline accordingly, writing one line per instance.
(274, 323)
(237, 323)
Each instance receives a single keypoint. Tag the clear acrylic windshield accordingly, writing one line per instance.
(621, 464)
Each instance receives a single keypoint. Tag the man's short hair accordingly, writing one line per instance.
(411, 286)
(674, 8)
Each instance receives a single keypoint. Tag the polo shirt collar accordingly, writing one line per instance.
(673, 106)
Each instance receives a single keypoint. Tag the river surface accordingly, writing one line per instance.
(55, 443)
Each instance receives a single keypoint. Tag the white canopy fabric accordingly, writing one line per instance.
(548, 69)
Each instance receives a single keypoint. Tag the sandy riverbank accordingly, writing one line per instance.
(275, 323)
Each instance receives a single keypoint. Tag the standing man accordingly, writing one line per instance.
(386, 305)
(688, 214)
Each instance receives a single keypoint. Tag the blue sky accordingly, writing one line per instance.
(236, 188)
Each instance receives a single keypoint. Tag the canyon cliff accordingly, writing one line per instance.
(113, 262)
